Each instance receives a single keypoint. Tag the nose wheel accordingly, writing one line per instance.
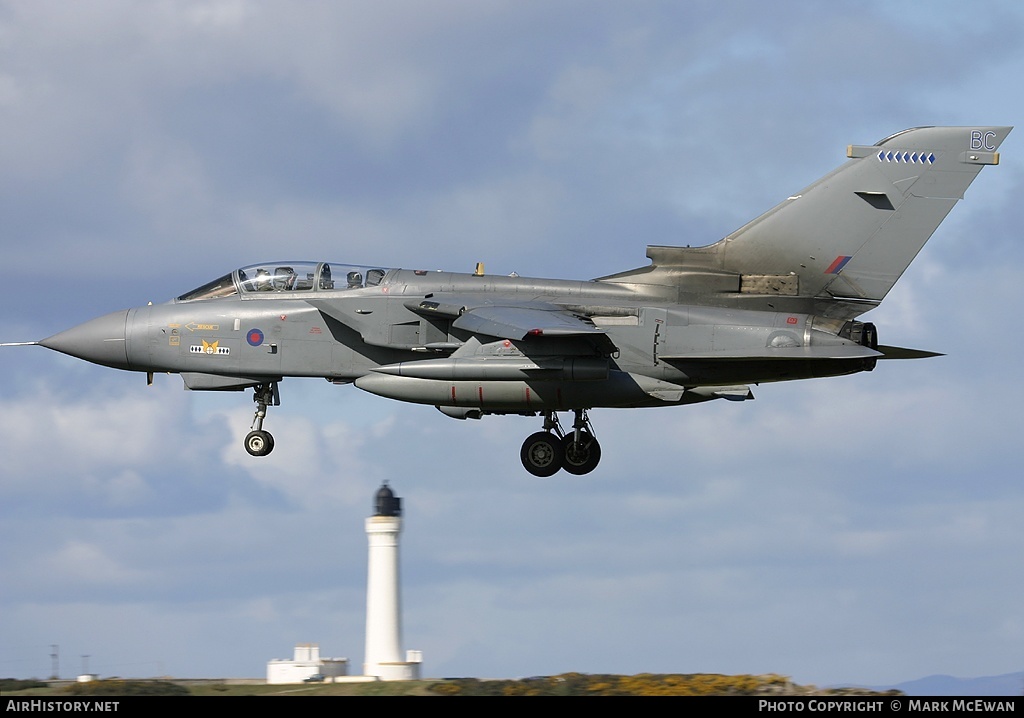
(547, 451)
(259, 442)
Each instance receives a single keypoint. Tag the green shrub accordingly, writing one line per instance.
(127, 688)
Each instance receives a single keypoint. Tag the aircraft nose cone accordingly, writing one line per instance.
(100, 341)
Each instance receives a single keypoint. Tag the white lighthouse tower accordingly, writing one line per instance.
(383, 604)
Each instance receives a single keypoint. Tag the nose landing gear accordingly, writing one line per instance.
(259, 442)
(547, 451)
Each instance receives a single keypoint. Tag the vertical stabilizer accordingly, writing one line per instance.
(848, 236)
(854, 232)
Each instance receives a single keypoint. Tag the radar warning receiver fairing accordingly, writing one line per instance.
(776, 300)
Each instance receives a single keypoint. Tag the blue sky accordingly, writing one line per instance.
(861, 529)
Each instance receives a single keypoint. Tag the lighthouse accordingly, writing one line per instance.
(383, 595)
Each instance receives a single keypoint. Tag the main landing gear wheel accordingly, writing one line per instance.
(545, 452)
(542, 454)
(580, 457)
(259, 443)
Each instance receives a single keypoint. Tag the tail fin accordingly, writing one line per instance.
(850, 235)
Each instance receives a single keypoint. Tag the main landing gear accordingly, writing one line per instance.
(259, 442)
(547, 451)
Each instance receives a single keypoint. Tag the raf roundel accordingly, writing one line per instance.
(254, 337)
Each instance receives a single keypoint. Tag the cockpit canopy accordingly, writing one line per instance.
(288, 277)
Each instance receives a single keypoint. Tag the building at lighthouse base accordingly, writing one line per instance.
(305, 664)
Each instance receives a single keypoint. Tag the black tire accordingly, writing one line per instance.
(259, 443)
(542, 454)
(580, 459)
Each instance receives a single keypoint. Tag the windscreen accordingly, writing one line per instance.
(222, 287)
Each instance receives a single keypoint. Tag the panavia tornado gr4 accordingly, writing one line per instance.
(776, 300)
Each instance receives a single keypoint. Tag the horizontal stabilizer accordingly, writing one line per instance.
(902, 353)
(840, 351)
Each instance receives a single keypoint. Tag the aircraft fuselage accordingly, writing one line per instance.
(369, 335)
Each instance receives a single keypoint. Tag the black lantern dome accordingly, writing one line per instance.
(386, 503)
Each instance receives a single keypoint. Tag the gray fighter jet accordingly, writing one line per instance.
(776, 300)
